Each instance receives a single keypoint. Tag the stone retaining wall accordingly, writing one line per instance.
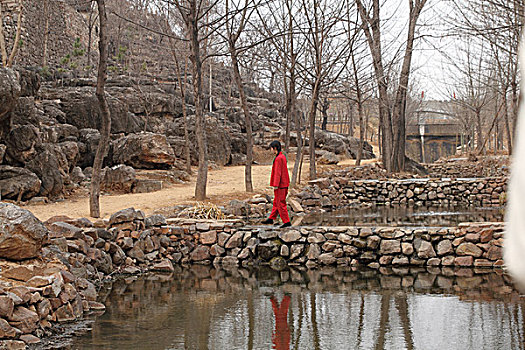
(338, 192)
(36, 296)
(469, 245)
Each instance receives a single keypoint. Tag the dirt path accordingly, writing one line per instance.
(224, 184)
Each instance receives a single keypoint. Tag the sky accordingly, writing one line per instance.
(432, 71)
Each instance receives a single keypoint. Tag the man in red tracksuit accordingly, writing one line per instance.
(280, 181)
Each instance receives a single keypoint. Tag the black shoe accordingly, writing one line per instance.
(286, 224)
(267, 222)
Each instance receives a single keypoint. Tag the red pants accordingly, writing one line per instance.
(279, 205)
(281, 335)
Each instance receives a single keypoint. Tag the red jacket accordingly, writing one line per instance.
(279, 177)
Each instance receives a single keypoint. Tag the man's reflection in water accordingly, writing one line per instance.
(281, 335)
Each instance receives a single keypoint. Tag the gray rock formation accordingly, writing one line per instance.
(21, 233)
(143, 151)
(18, 183)
(119, 178)
(9, 92)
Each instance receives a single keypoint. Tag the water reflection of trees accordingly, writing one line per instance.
(404, 216)
(204, 308)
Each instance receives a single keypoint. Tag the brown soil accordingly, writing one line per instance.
(224, 184)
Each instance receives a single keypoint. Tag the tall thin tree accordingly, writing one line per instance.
(105, 124)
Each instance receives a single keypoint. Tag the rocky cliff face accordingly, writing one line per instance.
(49, 131)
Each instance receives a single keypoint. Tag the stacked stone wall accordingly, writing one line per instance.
(338, 192)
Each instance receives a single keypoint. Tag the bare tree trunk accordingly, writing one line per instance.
(105, 126)
(350, 120)
(398, 117)
(249, 136)
(182, 88)
(16, 43)
(392, 126)
(46, 33)
(299, 152)
(3, 50)
(202, 173)
(359, 108)
(232, 40)
(373, 36)
(324, 112)
(287, 130)
(185, 116)
(91, 23)
(479, 132)
(191, 20)
(311, 119)
(507, 125)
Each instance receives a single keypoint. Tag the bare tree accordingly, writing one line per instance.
(105, 128)
(234, 29)
(472, 90)
(282, 33)
(499, 24)
(181, 78)
(193, 13)
(392, 123)
(326, 56)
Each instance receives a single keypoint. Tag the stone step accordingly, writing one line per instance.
(146, 186)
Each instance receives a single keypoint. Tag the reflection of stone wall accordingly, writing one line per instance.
(467, 283)
(203, 307)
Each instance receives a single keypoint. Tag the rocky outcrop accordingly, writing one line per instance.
(52, 166)
(120, 178)
(338, 144)
(18, 183)
(9, 92)
(143, 151)
(21, 233)
(81, 110)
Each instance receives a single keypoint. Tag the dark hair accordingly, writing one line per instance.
(276, 145)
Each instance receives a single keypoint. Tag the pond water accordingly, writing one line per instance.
(405, 216)
(205, 308)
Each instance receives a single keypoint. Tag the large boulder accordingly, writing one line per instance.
(22, 142)
(21, 233)
(26, 112)
(218, 138)
(80, 106)
(151, 100)
(18, 183)
(143, 151)
(58, 133)
(119, 178)
(50, 165)
(9, 93)
(88, 143)
(337, 143)
(29, 81)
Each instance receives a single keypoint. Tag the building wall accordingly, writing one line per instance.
(435, 148)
